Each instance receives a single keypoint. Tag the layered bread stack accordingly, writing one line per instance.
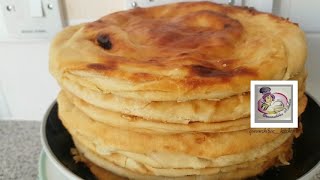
(164, 92)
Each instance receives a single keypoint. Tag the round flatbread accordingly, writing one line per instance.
(231, 108)
(179, 52)
(103, 166)
(220, 148)
(139, 124)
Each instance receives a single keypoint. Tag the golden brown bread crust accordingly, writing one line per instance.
(187, 55)
(208, 145)
(231, 108)
(179, 51)
(136, 123)
(139, 124)
(108, 165)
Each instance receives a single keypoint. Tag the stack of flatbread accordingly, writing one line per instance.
(164, 92)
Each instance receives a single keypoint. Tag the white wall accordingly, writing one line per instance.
(313, 64)
(26, 87)
(26, 84)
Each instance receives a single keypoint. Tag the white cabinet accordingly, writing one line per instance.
(27, 86)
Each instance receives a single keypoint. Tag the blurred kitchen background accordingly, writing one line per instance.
(27, 27)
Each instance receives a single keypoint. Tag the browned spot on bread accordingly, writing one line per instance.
(204, 71)
(169, 148)
(156, 62)
(143, 76)
(101, 67)
(227, 25)
(200, 139)
(208, 72)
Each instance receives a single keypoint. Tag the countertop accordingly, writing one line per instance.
(20, 148)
